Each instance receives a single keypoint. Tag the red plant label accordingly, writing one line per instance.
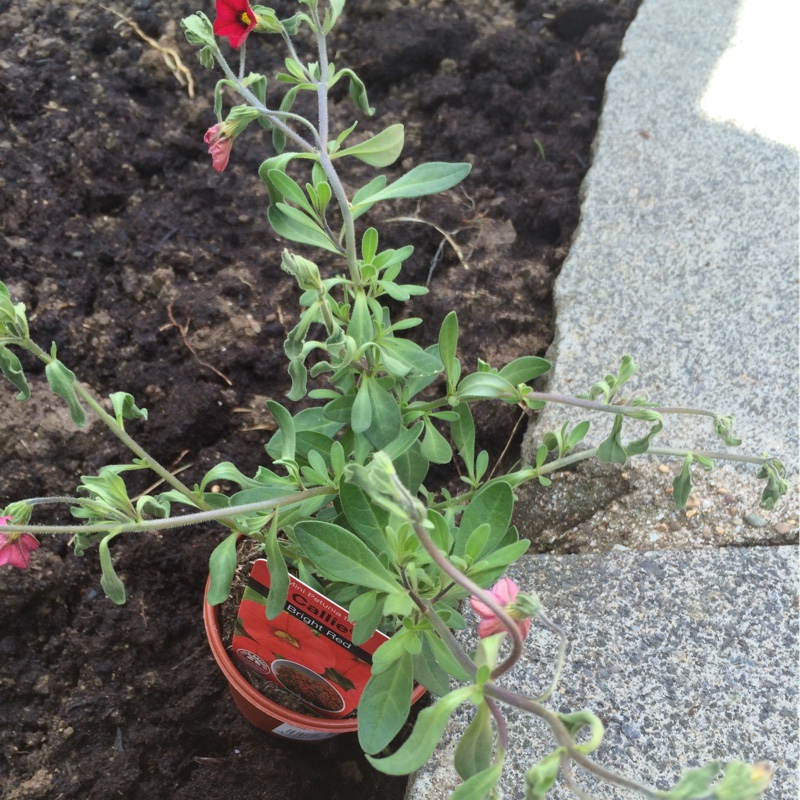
(307, 649)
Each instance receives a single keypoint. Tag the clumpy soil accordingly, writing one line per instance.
(157, 276)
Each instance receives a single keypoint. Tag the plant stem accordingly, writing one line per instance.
(273, 116)
(149, 525)
(485, 597)
(327, 164)
(446, 635)
(120, 432)
(565, 740)
(712, 454)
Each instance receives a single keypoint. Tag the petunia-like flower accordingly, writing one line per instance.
(504, 592)
(235, 19)
(219, 146)
(16, 548)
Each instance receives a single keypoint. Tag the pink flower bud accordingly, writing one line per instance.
(504, 592)
(219, 146)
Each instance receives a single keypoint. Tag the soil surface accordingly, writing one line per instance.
(157, 276)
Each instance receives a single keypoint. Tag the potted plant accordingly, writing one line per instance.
(347, 505)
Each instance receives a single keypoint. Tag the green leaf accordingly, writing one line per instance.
(342, 556)
(486, 386)
(286, 426)
(539, 779)
(480, 786)
(775, 474)
(221, 567)
(682, 485)
(294, 225)
(577, 721)
(62, 383)
(365, 517)
(360, 327)
(361, 414)
(384, 705)
(279, 162)
(476, 542)
(474, 750)
(693, 783)
(427, 733)
(524, 370)
(368, 624)
(11, 367)
(428, 671)
(445, 658)
(723, 427)
(448, 342)
(425, 179)
(488, 569)
(279, 574)
(358, 92)
(434, 446)
(125, 407)
(611, 451)
(386, 423)
(290, 190)
(403, 442)
(743, 782)
(364, 195)
(110, 581)
(464, 435)
(577, 434)
(381, 150)
(493, 504)
(198, 30)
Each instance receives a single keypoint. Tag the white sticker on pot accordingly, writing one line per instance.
(291, 732)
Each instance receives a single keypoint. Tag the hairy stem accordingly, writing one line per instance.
(120, 432)
(565, 740)
(485, 597)
(212, 515)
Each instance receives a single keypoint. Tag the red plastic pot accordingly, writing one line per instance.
(265, 713)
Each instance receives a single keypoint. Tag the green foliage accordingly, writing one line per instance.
(385, 704)
(474, 750)
(221, 567)
(62, 383)
(419, 746)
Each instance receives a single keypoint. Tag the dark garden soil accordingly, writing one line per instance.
(157, 276)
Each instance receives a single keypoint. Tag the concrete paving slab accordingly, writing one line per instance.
(686, 258)
(686, 255)
(687, 657)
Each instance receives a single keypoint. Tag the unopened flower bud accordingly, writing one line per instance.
(304, 271)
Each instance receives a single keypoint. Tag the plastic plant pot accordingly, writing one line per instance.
(264, 713)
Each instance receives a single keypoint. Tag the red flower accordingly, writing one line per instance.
(15, 548)
(504, 592)
(235, 19)
(219, 146)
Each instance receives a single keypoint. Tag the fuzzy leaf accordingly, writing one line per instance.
(11, 367)
(381, 150)
(221, 567)
(112, 585)
(384, 705)
(62, 383)
(430, 725)
(425, 179)
(340, 555)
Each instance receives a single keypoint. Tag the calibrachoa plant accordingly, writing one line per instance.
(346, 502)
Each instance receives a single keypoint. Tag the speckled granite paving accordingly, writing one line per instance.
(687, 258)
